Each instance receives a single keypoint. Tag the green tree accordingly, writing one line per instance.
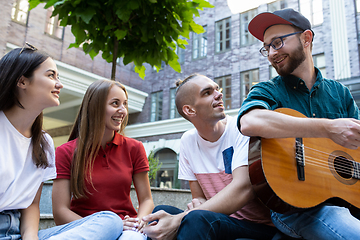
(153, 165)
(139, 31)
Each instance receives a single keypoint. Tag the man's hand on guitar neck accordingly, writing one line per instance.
(274, 124)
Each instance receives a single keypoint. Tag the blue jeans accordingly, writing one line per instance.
(207, 225)
(325, 221)
(132, 235)
(104, 225)
(10, 225)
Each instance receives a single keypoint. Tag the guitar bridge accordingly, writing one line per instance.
(299, 157)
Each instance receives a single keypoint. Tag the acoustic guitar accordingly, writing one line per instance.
(292, 174)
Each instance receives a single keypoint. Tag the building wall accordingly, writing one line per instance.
(240, 59)
(18, 34)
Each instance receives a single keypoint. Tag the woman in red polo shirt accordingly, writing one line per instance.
(96, 167)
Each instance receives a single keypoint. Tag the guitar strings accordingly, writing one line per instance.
(325, 153)
(340, 167)
(323, 162)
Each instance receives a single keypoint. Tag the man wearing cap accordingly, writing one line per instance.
(330, 109)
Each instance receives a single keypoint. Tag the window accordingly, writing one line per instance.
(278, 5)
(225, 84)
(180, 52)
(245, 36)
(199, 46)
(319, 62)
(173, 110)
(354, 88)
(53, 27)
(166, 177)
(222, 35)
(312, 10)
(156, 106)
(273, 72)
(248, 79)
(19, 11)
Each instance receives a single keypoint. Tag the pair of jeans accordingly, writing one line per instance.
(10, 225)
(326, 221)
(132, 235)
(104, 225)
(207, 225)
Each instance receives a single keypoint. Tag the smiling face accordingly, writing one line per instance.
(116, 110)
(42, 89)
(207, 103)
(288, 58)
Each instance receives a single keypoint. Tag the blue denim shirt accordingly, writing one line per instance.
(326, 99)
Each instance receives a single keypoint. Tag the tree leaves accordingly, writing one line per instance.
(196, 28)
(140, 70)
(87, 14)
(145, 31)
(120, 34)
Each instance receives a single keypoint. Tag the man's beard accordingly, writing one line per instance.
(295, 59)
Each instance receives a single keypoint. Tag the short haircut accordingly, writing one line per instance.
(182, 96)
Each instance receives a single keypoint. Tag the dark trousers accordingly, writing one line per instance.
(207, 225)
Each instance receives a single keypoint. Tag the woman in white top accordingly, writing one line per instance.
(29, 83)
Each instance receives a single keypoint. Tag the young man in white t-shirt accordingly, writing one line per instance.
(214, 159)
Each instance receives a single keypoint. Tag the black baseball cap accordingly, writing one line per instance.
(263, 21)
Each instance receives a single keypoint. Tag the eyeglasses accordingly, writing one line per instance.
(27, 46)
(276, 44)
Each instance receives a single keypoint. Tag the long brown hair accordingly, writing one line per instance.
(15, 64)
(89, 129)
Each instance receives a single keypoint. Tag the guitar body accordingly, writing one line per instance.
(328, 173)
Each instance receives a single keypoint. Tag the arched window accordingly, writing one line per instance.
(167, 176)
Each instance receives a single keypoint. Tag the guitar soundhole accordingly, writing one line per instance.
(340, 165)
(343, 167)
